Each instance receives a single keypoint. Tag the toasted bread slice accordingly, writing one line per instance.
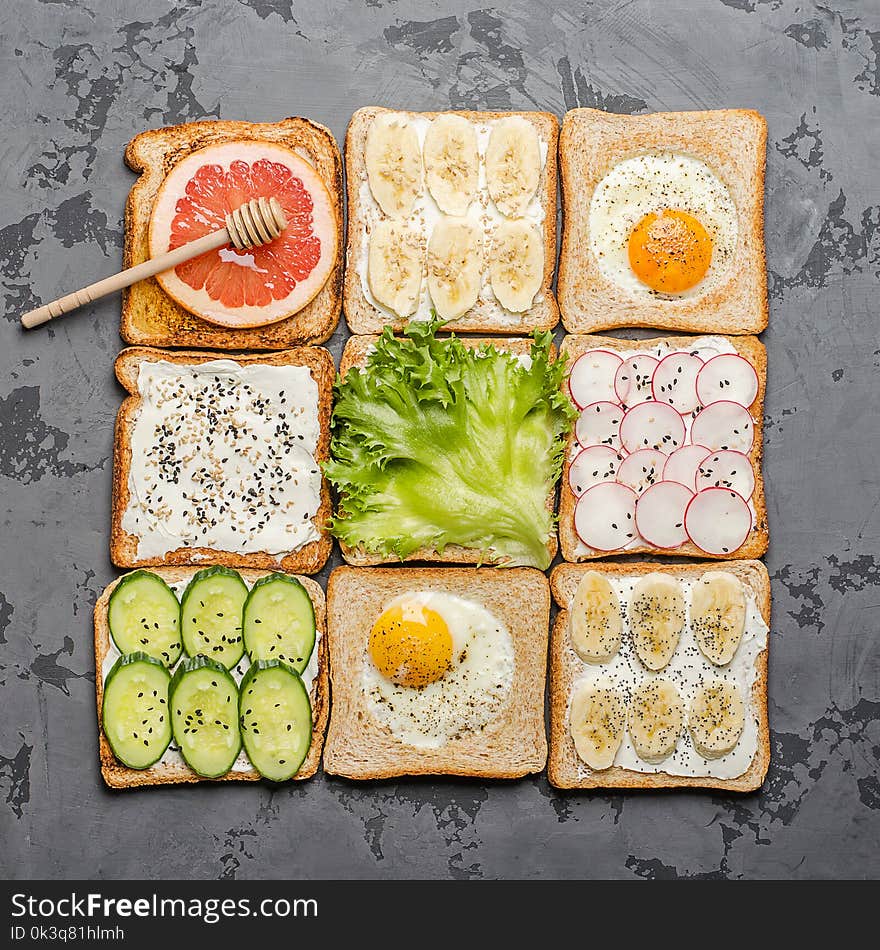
(564, 767)
(732, 142)
(149, 316)
(308, 559)
(486, 316)
(757, 541)
(358, 747)
(356, 351)
(117, 775)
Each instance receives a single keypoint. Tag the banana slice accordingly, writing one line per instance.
(656, 618)
(596, 722)
(513, 165)
(452, 163)
(517, 266)
(656, 714)
(718, 615)
(455, 260)
(394, 266)
(716, 718)
(595, 624)
(394, 163)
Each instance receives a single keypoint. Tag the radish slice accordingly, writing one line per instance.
(641, 469)
(591, 466)
(727, 376)
(675, 381)
(682, 465)
(718, 520)
(727, 470)
(599, 424)
(660, 514)
(652, 425)
(632, 383)
(592, 377)
(722, 425)
(604, 518)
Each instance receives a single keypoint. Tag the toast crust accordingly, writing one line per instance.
(310, 558)
(117, 775)
(758, 539)
(564, 764)
(733, 143)
(149, 316)
(356, 351)
(515, 745)
(363, 317)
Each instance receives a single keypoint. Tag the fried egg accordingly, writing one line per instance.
(663, 225)
(436, 667)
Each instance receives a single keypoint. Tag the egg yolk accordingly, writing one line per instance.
(411, 645)
(670, 251)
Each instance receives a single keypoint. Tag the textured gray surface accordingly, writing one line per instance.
(80, 78)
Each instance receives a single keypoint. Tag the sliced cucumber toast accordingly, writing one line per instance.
(177, 675)
(275, 719)
(144, 617)
(135, 710)
(204, 715)
(278, 621)
(210, 615)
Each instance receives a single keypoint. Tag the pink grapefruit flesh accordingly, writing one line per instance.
(265, 284)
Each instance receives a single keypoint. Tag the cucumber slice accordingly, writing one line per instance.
(204, 715)
(135, 711)
(275, 719)
(278, 621)
(144, 617)
(210, 615)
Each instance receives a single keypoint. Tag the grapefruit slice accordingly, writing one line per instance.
(245, 288)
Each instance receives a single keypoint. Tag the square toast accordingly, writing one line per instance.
(486, 316)
(564, 767)
(757, 541)
(732, 142)
(515, 745)
(149, 316)
(356, 351)
(117, 775)
(308, 559)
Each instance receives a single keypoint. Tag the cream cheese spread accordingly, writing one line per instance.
(687, 670)
(223, 457)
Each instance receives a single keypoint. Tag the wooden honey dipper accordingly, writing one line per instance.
(253, 224)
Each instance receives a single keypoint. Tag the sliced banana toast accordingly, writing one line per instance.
(658, 676)
(436, 218)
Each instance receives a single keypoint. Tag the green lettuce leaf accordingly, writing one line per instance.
(436, 444)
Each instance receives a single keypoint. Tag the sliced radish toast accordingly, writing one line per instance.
(598, 463)
(259, 286)
(668, 426)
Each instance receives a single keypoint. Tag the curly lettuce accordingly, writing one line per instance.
(435, 443)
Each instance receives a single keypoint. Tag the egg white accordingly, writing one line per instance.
(648, 183)
(468, 697)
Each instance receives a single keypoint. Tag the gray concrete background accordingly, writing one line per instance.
(78, 79)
